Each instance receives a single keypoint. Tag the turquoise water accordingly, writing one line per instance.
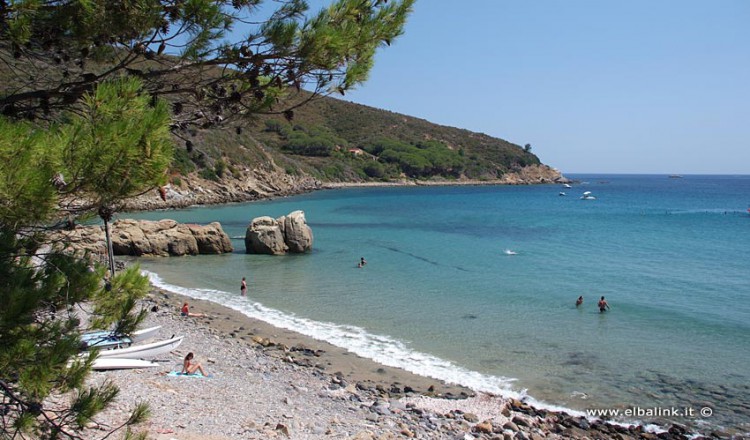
(440, 296)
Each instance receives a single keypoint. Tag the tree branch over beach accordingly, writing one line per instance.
(90, 92)
(214, 59)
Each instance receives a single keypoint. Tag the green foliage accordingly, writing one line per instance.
(313, 141)
(69, 47)
(115, 145)
(423, 159)
(374, 169)
(208, 174)
(182, 162)
(118, 145)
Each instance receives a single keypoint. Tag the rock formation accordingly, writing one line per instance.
(143, 237)
(288, 233)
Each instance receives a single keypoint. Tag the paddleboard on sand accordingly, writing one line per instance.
(111, 363)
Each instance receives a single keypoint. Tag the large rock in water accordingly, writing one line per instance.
(297, 235)
(289, 233)
(143, 237)
(264, 236)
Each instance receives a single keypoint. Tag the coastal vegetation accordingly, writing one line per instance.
(94, 95)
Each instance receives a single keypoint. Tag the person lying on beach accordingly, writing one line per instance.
(185, 311)
(190, 367)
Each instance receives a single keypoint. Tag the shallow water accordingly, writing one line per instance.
(441, 297)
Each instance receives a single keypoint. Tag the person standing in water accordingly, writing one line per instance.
(603, 306)
(243, 287)
(579, 301)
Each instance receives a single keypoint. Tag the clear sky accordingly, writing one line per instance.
(636, 86)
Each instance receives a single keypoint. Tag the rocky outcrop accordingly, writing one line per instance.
(274, 181)
(289, 233)
(142, 237)
(297, 235)
(264, 236)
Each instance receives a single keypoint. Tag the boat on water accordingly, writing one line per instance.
(565, 185)
(121, 364)
(562, 194)
(675, 176)
(143, 351)
(587, 196)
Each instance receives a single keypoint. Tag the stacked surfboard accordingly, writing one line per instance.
(122, 352)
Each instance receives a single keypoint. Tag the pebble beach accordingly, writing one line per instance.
(265, 382)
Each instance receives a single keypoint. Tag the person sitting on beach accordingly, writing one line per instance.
(190, 367)
(185, 311)
(603, 306)
(243, 287)
(579, 301)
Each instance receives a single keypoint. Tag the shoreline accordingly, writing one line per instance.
(269, 382)
(307, 351)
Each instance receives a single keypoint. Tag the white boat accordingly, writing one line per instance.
(110, 363)
(565, 185)
(107, 340)
(587, 196)
(562, 194)
(143, 351)
(145, 334)
(510, 252)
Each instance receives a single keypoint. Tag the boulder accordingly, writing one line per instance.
(297, 235)
(264, 236)
(143, 237)
(288, 233)
(211, 239)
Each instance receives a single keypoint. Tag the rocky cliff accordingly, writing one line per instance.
(273, 181)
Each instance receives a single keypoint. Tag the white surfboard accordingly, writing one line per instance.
(111, 363)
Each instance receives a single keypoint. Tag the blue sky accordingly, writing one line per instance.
(594, 86)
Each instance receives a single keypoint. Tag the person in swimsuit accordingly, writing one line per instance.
(190, 367)
(185, 311)
(362, 261)
(579, 301)
(243, 287)
(603, 306)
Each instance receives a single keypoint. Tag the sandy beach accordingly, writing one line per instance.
(267, 382)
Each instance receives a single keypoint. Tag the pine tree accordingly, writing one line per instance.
(214, 59)
(115, 146)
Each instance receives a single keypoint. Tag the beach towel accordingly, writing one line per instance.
(179, 374)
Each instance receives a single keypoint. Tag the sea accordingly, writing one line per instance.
(476, 285)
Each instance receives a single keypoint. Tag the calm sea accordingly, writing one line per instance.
(440, 296)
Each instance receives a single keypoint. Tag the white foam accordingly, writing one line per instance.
(382, 349)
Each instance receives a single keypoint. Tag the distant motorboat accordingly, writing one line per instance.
(675, 176)
(562, 194)
(587, 196)
(565, 185)
(510, 252)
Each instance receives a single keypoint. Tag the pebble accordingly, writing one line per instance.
(255, 392)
